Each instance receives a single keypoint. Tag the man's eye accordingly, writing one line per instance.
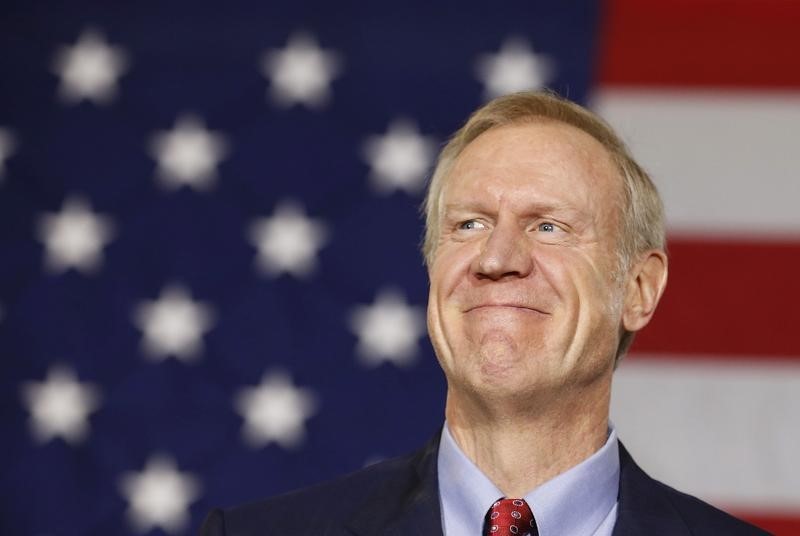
(547, 227)
(471, 224)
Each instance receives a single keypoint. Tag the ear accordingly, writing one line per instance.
(647, 280)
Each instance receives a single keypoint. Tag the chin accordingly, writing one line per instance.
(504, 370)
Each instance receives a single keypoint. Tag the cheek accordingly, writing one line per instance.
(450, 269)
(446, 276)
(581, 291)
(591, 274)
(596, 300)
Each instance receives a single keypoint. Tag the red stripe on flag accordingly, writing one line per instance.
(701, 43)
(778, 525)
(728, 299)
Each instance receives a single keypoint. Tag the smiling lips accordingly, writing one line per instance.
(506, 306)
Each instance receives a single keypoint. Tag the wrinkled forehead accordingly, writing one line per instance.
(565, 164)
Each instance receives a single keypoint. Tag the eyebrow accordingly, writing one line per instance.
(536, 208)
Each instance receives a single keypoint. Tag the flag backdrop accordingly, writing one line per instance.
(210, 286)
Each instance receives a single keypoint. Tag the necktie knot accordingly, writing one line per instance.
(510, 517)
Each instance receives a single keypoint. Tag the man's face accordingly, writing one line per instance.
(523, 295)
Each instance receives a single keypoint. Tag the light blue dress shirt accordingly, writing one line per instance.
(579, 502)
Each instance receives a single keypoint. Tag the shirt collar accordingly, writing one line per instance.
(575, 502)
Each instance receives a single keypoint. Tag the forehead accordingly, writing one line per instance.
(551, 161)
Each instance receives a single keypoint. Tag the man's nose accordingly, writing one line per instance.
(506, 252)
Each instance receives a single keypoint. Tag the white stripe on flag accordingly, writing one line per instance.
(729, 433)
(725, 162)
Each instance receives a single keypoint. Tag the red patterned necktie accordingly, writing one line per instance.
(510, 517)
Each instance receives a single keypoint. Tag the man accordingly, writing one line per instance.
(545, 250)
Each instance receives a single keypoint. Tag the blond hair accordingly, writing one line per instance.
(642, 221)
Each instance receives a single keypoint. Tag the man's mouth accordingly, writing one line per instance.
(504, 306)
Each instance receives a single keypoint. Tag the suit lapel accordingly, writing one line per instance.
(414, 509)
(643, 508)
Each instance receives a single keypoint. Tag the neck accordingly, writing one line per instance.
(521, 446)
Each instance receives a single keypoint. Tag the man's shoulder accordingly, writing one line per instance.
(350, 489)
(646, 502)
(703, 518)
(324, 508)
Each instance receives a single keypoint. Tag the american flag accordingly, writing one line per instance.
(210, 284)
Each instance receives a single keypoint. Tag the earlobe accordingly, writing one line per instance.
(647, 282)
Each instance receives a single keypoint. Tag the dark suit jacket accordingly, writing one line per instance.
(401, 497)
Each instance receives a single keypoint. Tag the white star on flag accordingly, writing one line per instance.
(287, 241)
(515, 68)
(60, 406)
(7, 146)
(301, 72)
(275, 411)
(188, 154)
(89, 69)
(173, 325)
(159, 496)
(74, 237)
(388, 330)
(399, 159)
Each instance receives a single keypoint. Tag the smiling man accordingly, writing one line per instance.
(545, 250)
